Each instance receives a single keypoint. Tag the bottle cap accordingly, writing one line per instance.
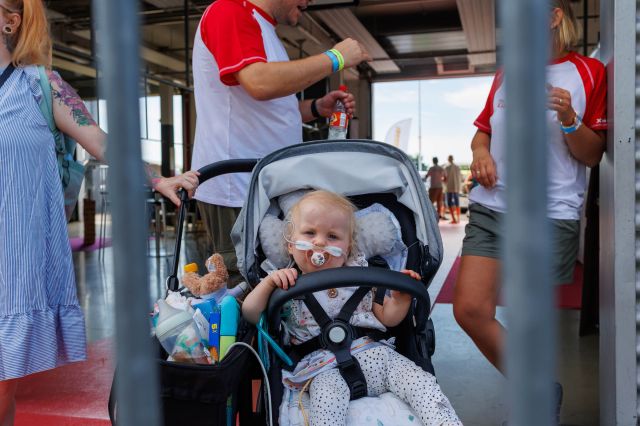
(191, 267)
(343, 87)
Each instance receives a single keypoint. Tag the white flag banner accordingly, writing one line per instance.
(398, 134)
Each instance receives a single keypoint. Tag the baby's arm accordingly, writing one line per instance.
(395, 308)
(256, 301)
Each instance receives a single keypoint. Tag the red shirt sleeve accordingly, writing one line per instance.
(233, 37)
(483, 122)
(595, 114)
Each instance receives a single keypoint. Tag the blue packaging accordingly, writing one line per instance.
(206, 307)
(214, 333)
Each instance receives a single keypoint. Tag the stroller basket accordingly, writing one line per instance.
(196, 394)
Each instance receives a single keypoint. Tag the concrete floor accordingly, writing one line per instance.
(474, 387)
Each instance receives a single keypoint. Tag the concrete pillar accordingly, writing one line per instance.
(618, 279)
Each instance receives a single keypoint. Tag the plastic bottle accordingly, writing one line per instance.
(339, 121)
(178, 334)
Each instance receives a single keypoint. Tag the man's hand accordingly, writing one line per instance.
(169, 186)
(352, 52)
(325, 104)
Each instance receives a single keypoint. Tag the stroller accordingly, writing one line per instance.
(367, 173)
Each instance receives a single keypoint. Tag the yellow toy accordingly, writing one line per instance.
(212, 281)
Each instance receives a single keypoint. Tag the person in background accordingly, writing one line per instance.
(436, 174)
(245, 88)
(453, 180)
(576, 122)
(42, 325)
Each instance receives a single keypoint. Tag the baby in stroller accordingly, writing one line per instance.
(320, 235)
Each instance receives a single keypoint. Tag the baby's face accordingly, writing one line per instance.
(322, 226)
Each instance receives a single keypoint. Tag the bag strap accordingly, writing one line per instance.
(6, 73)
(46, 107)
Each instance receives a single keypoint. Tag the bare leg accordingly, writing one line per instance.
(452, 211)
(7, 402)
(474, 305)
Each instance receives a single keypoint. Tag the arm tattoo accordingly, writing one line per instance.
(65, 95)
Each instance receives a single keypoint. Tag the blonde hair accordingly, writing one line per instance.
(330, 200)
(567, 33)
(31, 44)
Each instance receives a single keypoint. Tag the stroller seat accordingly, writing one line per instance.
(368, 173)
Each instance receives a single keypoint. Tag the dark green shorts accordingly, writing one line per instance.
(484, 232)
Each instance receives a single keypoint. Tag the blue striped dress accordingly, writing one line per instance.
(41, 322)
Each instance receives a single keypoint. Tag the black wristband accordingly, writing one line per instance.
(314, 110)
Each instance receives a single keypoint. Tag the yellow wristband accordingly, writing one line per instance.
(340, 58)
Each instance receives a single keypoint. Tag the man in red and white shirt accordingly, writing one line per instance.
(246, 106)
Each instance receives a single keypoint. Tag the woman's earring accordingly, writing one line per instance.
(7, 29)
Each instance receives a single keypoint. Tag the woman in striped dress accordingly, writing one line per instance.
(41, 322)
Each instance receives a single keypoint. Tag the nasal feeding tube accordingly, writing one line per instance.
(318, 257)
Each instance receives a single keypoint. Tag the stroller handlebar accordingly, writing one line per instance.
(207, 172)
(245, 165)
(346, 277)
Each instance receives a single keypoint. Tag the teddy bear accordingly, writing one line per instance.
(214, 280)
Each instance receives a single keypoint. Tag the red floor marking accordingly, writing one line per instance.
(75, 394)
(568, 296)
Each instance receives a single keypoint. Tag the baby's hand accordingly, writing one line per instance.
(412, 274)
(284, 278)
(404, 297)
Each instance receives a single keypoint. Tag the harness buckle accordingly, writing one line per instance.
(352, 373)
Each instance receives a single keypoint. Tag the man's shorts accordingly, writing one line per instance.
(453, 199)
(435, 194)
(484, 232)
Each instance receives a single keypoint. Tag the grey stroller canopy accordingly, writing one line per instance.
(351, 168)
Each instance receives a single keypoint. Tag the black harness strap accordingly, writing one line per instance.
(297, 352)
(350, 305)
(379, 296)
(316, 310)
(336, 336)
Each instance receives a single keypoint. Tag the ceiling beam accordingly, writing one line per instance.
(479, 25)
(345, 24)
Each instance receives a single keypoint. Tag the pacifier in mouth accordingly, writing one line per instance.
(317, 258)
(319, 255)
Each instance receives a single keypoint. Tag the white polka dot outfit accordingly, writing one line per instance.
(384, 369)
